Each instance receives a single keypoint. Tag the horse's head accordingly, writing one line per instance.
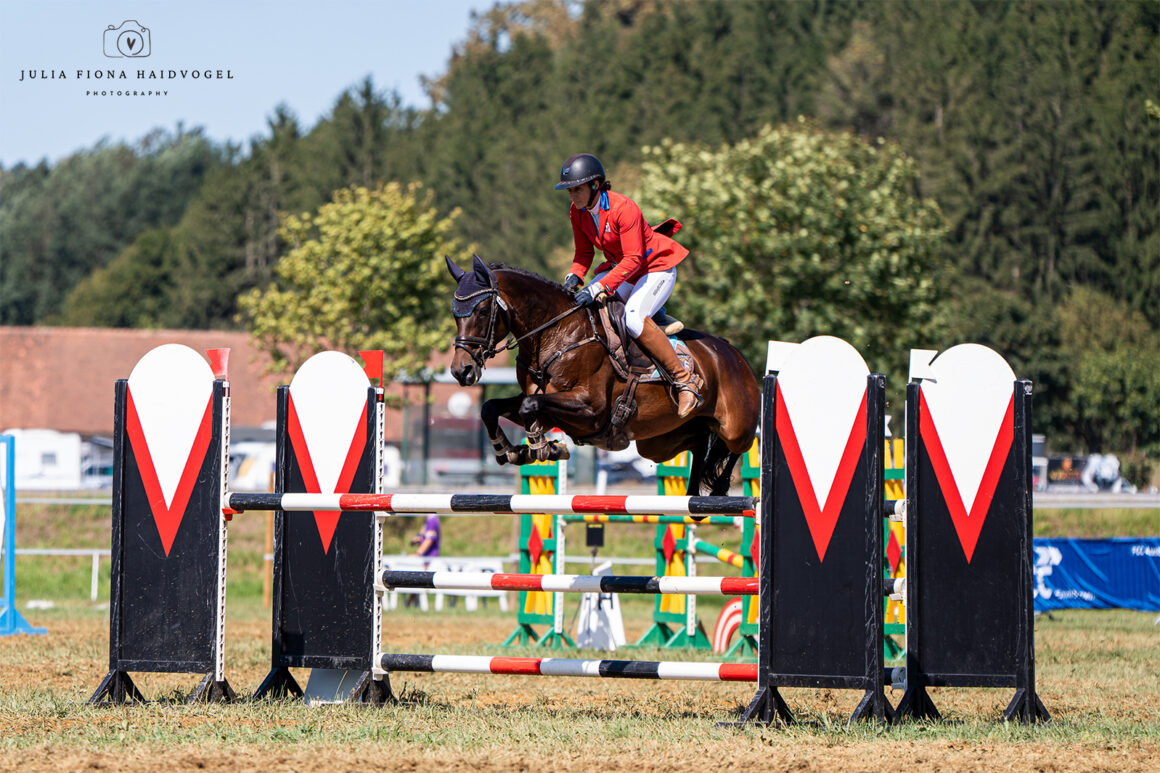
(480, 317)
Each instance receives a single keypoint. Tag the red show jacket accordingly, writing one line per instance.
(631, 247)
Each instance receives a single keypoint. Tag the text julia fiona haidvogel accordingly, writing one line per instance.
(113, 75)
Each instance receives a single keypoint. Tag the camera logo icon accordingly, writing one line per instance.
(128, 39)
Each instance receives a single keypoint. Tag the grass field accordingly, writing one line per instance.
(1097, 674)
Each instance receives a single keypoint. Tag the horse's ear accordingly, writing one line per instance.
(456, 272)
(481, 267)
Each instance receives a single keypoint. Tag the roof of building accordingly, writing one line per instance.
(62, 377)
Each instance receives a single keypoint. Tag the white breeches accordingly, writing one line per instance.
(645, 298)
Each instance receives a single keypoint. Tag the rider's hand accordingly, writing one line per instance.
(590, 295)
(572, 283)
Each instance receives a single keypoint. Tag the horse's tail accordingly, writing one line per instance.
(718, 463)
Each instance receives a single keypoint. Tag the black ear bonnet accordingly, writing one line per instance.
(473, 287)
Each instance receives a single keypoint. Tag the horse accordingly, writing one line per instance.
(567, 379)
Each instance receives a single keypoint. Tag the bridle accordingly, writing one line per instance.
(482, 349)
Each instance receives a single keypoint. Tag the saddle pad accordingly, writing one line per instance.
(683, 354)
(628, 354)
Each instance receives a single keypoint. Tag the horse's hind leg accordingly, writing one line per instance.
(697, 463)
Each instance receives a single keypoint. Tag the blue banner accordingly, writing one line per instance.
(1097, 574)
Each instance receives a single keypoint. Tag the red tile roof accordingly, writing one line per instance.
(62, 377)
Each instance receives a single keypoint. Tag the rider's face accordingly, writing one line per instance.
(579, 195)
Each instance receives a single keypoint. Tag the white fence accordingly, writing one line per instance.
(95, 553)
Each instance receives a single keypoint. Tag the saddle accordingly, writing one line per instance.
(634, 367)
(628, 358)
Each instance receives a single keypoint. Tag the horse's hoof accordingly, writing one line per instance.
(513, 457)
(617, 442)
(560, 451)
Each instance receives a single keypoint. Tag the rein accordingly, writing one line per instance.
(483, 349)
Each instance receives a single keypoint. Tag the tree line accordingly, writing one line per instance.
(1031, 127)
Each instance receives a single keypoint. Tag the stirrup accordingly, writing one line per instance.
(693, 386)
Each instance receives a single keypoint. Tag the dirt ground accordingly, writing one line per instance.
(468, 722)
(937, 757)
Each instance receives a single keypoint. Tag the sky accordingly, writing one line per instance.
(56, 96)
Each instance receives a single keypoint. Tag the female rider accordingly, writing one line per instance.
(640, 265)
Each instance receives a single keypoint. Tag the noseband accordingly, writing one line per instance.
(480, 350)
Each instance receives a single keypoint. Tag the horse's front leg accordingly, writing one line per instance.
(540, 449)
(571, 411)
(490, 413)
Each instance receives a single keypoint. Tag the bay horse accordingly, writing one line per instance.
(567, 380)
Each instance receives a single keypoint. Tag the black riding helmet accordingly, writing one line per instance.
(579, 169)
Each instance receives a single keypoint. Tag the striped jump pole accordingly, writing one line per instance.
(569, 583)
(606, 669)
(725, 556)
(494, 503)
(707, 520)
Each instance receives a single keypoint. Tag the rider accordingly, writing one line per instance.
(640, 265)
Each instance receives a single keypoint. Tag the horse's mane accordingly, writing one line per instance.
(526, 273)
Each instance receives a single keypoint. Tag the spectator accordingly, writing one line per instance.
(427, 542)
(428, 539)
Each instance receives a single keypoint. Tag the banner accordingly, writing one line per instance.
(1097, 574)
